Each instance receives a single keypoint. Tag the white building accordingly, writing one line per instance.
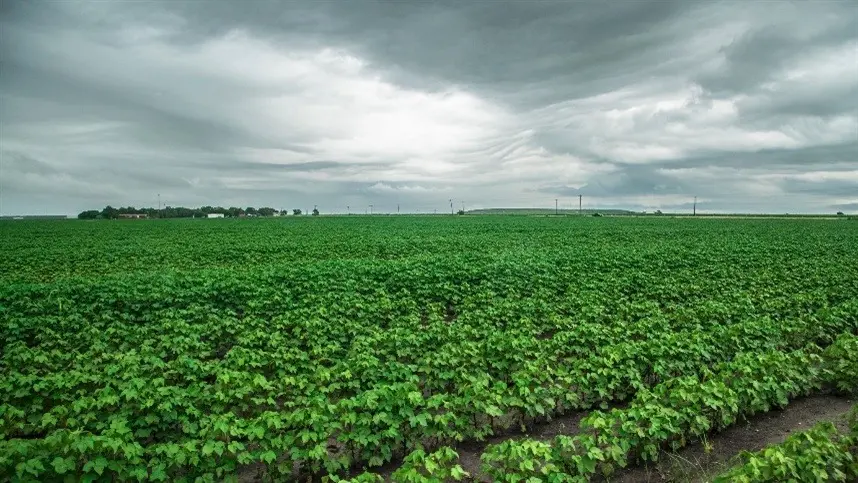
(215, 215)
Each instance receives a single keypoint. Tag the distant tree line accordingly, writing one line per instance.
(109, 212)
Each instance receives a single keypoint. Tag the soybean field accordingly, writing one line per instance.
(371, 348)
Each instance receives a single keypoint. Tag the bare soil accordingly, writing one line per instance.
(469, 453)
(695, 463)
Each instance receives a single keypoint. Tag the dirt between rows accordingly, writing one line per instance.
(697, 462)
(469, 453)
(694, 463)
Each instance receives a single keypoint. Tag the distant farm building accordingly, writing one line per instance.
(215, 215)
(133, 216)
(34, 217)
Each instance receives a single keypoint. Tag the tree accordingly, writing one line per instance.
(251, 211)
(315, 212)
(839, 213)
(296, 212)
(109, 213)
(460, 212)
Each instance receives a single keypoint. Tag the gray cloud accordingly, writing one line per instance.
(846, 206)
(19, 162)
(749, 106)
(760, 55)
(628, 181)
(828, 187)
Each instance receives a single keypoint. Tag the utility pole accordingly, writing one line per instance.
(397, 208)
(370, 209)
(451, 206)
(579, 205)
(159, 205)
(348, 209)
(556, 212)
(463, 207)
(694, 213)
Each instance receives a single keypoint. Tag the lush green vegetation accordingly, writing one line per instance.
(683, 408)
(818, 454)
(197, 349)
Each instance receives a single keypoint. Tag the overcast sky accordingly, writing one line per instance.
(751, 106)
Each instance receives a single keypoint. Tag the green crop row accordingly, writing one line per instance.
(842, 364)
(673, 413)
(670, 415)
(818, 454)
(228, 442)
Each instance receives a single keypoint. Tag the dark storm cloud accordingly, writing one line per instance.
(750, 105)
(558, 49)
(760, 55)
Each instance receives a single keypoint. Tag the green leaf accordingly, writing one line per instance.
(63, 465)
(268, 456)
(458, 474)
(100, 464)
(158, 473)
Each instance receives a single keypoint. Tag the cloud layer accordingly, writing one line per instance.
(751, 107)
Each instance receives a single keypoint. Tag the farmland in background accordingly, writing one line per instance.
(325, 346)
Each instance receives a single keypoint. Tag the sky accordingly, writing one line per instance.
(751, 106)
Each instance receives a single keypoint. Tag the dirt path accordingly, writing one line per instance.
(694, 464)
